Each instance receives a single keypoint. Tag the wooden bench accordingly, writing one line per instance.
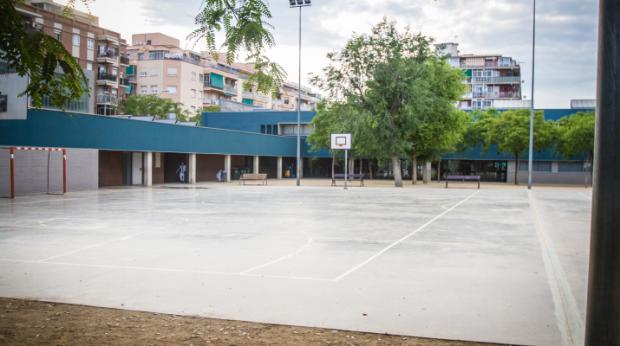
(262, 177)
(463, 178)
(352, 176)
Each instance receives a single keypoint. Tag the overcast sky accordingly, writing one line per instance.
(566, 33)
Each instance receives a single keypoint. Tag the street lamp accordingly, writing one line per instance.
(300, 4)
(531, 151)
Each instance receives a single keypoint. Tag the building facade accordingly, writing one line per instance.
(99, 51)
(493, 80)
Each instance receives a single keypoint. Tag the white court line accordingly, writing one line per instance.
(247, 271)
(169, 270)
(348, 272)
(91, 246)
(566, 312)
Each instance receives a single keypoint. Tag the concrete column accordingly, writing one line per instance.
(256, 162)
(279, 175)
(192, 168)
(227, 167)
(148, 169)
(301, 167)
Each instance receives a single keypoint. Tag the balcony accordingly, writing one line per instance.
(124, 60)
(496, 80)
(107, 56)
(496, 95)
(108, 38)
(104, 78)
(106, 99)
(124, 81)
(230, 90)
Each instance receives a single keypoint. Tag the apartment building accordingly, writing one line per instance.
(160, 67)
(493, 80)
(287, 98)
(99, 51)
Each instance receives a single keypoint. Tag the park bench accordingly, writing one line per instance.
(261, 177)
(352, 176)
(463, 178)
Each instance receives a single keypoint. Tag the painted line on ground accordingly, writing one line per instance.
(385, 249)
(169, 270)
(103, 243)
(567, 314)
(294, 253)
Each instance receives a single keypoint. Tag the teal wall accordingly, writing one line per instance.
(71, 130)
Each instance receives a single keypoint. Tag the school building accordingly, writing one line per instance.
(104, 151)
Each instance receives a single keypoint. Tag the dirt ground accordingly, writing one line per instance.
(24, 322)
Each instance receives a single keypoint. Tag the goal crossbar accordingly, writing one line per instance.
(12, 151)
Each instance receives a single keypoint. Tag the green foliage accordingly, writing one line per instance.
(510, 130)
(393, 94)
(151, 105)
(575, 134)
(39, 57)
(211, 108)
(245, 27)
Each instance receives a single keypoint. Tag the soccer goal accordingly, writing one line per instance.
(28, 170)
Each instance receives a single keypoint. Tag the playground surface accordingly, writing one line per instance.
(494, 265)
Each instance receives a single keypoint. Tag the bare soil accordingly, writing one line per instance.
(25, 322)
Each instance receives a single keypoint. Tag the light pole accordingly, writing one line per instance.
(531, 151)
(300, 4)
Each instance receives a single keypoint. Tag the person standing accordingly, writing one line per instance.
(181, 171)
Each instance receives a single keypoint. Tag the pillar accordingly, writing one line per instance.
(603, 311)
(227, 167)
(148, 168)
(301, 167)
(256, 162)
(279, 175)
(192, 168)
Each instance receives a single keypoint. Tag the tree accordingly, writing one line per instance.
(510, 130)
(395, 84)
(151, 105)
(245, 27)
(39, 57)
(576, 135)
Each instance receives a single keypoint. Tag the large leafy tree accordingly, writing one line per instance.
(395, 85)
(155, 106)
(576, 135)
(50, 69)
(246, 30)
(510, 131)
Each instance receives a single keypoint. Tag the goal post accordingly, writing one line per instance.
(12, 167)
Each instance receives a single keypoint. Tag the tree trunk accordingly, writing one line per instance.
(361, 166)
(370, 171)
(439, 171)
(414, 167)
(398, 177)
(427, 172)
(517, 170)
(351, 165)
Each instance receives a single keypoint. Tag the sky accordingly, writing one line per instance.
(566, 33)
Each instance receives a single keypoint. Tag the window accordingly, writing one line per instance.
(286, 101)
(537, 166)
(172, 71)
(570, 167)
(153, 89)
(90, 43)
(275, 129)
(262, 129)
(269, 129)
(143, 89)
(89, 66)
(76, 39)
(142, 73)
(193, 75)
(172, 89)
(58, 34)
(193, 93)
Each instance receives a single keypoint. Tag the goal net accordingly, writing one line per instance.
(32, 170)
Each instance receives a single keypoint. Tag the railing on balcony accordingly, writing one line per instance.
(495, 95)
(230, 89)
(106, 98)
(107, 53)
(124, 81)
(509, 94)
(106, 76)
(497, 80)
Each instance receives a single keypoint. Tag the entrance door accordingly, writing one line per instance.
(136, 168)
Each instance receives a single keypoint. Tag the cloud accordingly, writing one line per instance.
(566, 33)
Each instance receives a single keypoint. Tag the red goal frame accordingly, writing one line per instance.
(12, 151)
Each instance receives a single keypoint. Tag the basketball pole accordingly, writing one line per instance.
(346, 168)
(12, 169)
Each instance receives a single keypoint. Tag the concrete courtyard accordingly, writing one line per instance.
(496, 264)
